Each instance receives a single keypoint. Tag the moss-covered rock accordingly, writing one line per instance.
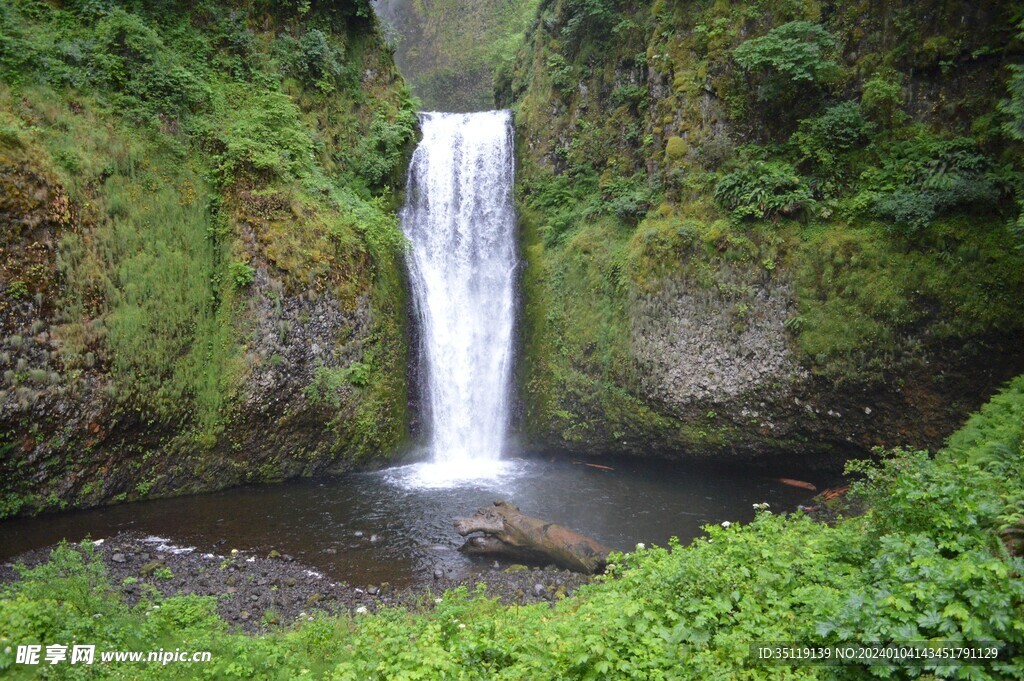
(202, 265)
(716, 270)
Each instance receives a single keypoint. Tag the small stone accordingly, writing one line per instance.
(118, 558)
(373, 590)
(274, 553)
(438, 573)
(374, 539)
(244, 614)
(314, 599)
(291, 581)
(359, 534)
(538, 589)
(331, 550)
(254, 598)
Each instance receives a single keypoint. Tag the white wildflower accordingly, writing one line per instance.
(361, 609)
(726, 524)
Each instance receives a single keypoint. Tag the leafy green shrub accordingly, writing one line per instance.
(796, 53)
(564, 76)
(588, 19)
(824, 139)
(133, 61)
(882, 98)
(561, 201)
(926, 177)
(313, 59)
(265, 138)
(328, 382)
(764, 189)
(629, 199)
(381, 154)
(241, 274)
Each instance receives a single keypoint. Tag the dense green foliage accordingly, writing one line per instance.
(926, 563)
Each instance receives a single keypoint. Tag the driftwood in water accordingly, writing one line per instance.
(509, 533)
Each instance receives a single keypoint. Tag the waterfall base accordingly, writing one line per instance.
(457, 473)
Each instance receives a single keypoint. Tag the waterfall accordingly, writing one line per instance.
(460, 222)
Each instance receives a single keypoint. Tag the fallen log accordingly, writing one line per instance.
(509, 533)
(797, 483)
(595, 465)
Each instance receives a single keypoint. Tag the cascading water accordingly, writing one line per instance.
(460, 222)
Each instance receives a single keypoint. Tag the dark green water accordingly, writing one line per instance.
(317, 521)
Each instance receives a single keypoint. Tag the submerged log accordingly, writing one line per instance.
(509, 533)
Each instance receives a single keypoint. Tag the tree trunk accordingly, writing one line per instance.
(509, 533)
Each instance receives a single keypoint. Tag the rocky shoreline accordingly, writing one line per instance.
(259, 592)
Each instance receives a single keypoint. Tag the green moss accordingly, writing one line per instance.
(676, 148)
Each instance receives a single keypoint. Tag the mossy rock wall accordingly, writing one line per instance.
(727, 256)
(202, 278)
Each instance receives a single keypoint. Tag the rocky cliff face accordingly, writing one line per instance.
(449, 50)
(201, 281)
(715, 264)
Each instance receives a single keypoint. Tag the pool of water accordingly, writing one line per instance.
(395, 525)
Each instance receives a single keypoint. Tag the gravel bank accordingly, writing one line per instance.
(257, 592)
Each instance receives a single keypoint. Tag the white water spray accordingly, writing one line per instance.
(460, 221)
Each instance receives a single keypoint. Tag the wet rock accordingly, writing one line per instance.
(538, 589)
(359, 534)
(119, 558)
(438, 573)
(373, 590)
